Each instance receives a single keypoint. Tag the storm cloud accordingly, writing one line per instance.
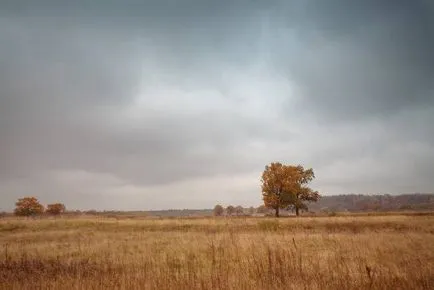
(168, 104)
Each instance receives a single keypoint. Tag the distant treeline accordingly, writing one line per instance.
(326, 204)
(384, 202)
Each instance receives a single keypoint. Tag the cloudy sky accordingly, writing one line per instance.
(180, 104)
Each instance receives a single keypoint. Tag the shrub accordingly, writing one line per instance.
(56, 208)
(28, 206)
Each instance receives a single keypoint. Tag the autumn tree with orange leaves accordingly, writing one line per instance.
(55, 208)
(285, 186)
(28, 206)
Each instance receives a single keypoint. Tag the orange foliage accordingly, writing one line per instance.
(56, 208)
(285, 185)
(28, 206)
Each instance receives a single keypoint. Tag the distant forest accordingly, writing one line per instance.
(385, 202)
(326, 204)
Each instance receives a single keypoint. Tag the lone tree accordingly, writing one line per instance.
(218, 210)
(230, 210)
(55, 208)
(28, 206)
(285, 186)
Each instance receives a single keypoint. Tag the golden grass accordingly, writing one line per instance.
(383, 252)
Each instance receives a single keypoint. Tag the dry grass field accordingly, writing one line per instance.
(352, 252)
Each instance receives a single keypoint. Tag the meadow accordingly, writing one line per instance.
(341, 252)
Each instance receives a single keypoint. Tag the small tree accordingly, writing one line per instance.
(251, 210)
(55, 208)
(230, 210)
(286, 185)
(28, 206)
(239, 210)
(218, 210)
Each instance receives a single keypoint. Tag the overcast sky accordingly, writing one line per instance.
(180, 104)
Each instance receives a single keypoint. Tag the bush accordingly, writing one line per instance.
(28, 206)
(56, 209)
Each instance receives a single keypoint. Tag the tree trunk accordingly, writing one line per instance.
(297, 211)
(277, 211)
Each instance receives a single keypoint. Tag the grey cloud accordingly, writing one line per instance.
(360, 58)
(52, 112)
(153, 96)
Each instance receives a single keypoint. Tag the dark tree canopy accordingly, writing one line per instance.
(230, 210)
(239, 210)
(56, 208)
(218, 210)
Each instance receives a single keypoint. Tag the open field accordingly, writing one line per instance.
(351, 252)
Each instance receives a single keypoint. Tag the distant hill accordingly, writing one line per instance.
(385, 202)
